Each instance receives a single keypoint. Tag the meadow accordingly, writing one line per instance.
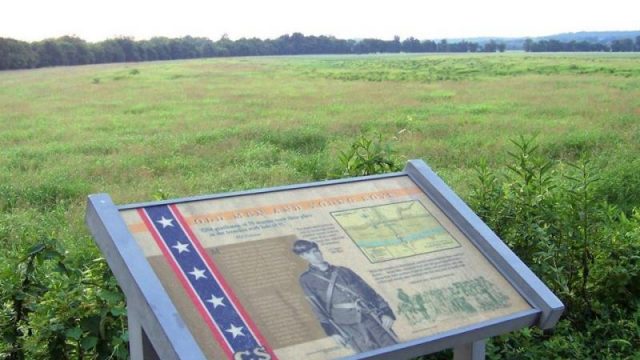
(144, 131)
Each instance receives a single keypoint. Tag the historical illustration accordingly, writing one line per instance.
(394, 231)
(458, 299)
(349, 310)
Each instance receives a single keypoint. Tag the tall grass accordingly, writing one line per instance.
(171, 129)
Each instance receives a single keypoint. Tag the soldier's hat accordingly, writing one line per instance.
(302, 246)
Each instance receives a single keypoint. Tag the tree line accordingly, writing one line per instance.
(71, 50)
(619, 45)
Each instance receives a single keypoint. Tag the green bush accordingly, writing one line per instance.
(621, 183)
(560, 218)
(54, 308)
(368, 156)
(584, 248)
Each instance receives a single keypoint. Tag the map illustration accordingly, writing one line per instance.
(394, 231)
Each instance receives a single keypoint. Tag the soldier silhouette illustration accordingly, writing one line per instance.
(348, 309)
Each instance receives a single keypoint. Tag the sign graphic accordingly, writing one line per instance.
(230, 325)
(394, 231)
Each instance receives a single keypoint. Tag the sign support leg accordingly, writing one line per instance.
(136, 352)
(470, 351)
(140, 347)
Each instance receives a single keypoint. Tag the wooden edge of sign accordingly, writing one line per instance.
(505, 260)
(146, 298)
(452, 338)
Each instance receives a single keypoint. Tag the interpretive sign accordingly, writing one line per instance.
(360, 267)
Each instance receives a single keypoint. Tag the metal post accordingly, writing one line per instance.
(140, 347)
(470, 351)
(149, 353)
(136, 351)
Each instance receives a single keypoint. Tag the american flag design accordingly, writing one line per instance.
(203, 283)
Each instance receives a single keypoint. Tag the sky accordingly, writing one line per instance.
(96, 20)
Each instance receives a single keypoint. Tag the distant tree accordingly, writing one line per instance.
(369, 46)
(110, 51)
(75, 51)
(130, 48)
(248, 47)
(157, 48)
(16, 54)
(411, 45)
(443, 46)
(394, 46)
(297, 43)
(49, 53)
(428, 46)
(204, 47)
(224, 44)
(622, 45)
(71, 50)
(637, 44)
(527, 44)
(459, 47)
(490, 46)
(554, 45)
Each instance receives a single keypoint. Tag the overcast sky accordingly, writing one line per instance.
(96, 20)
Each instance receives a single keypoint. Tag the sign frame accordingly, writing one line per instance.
(155, 326)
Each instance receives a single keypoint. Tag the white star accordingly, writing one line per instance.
(235, 331)
(181, 247)
(165, 222)
(198, 273)
(216, 301)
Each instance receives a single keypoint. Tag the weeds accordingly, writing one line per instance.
(368, 156)
(584, 248)
(53, 308)
(435, 68)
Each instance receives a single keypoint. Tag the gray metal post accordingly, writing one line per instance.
(470, 351)
(136, 352)
(149, 307)
(140, 347)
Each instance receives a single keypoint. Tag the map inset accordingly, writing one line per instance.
(394, 231)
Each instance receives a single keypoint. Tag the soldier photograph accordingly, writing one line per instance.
(348, 309)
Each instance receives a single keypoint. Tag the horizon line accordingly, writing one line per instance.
(459, 38)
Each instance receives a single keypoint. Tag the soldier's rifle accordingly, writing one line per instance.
(314, 302)
(378, 319)
(363, 304)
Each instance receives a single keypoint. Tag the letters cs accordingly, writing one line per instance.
(256, 354)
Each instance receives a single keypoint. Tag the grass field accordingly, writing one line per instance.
(170, 129)
(203, 126)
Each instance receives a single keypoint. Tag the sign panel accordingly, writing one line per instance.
(318, 272)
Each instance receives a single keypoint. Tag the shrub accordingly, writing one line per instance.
(585, 249)
(53, 308)
(368, 156)
(555, 215)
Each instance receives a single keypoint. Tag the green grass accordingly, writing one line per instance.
(171, 129)
(193, 127)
